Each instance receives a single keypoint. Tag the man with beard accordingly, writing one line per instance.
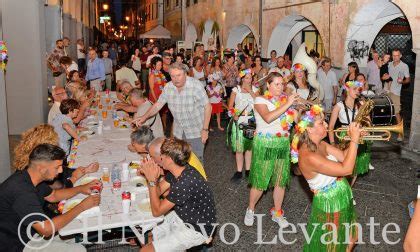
(54, 64)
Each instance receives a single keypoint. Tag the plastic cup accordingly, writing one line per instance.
(104, 114)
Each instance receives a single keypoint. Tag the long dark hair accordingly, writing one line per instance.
(354, 65)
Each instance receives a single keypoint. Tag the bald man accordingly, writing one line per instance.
(59, 94)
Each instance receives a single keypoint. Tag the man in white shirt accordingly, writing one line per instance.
(125, 73)
(59, 94)
(155, 52)
(400, 75)
(81, 55)
(280, 68)
(373, 73)
(328, 81)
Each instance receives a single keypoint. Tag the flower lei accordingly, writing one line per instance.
(298, 67)
(287, 118)
(3, 55)
(244, 72)
(351, 84)
(233, 112)
(73, 154)
(216, 94)
(305, 120)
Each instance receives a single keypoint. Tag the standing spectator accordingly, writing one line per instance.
(66, 43)
(81, 55)
(167, 61)
(258, 68)
(68, 65)
(197, 71)
(53, 61)
(155, 52)
(136, 62)
(113, 54)
(373, 73)
(280, 68)
(108, 69)
(215, 93)
(125, 73)
(272, 62)
(230, 73)
(287, 61)
(59, 94)
(329, 83)
(144, 71)
(385, 78)
(189, 105)
(95, 73)
(400, 75)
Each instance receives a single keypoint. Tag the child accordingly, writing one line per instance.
(63, 123)
(215, 93)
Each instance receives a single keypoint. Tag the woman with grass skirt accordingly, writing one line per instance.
(270, 165)
(345, 112)
(324, 166)
(241, 104)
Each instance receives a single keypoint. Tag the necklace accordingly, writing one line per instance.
(287, 118)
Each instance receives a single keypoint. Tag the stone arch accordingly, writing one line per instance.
(364, 28)
(285, 31)
(237, 34)
(208, 24)
(190, 35)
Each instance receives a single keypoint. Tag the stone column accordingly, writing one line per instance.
(414, 143)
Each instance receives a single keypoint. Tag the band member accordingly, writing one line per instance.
(345, 112)
(270, 165)
(241, 104)
(300, 85)
(323, 167)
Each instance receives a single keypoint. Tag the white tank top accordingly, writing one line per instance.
(242, 101)
(198, 75)
(342, 117)
(320, 180)
(262, 126)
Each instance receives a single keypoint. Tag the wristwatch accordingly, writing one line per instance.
(152, 183)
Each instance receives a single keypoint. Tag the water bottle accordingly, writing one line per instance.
(116, 178)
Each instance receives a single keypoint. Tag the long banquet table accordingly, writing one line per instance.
(109, 149)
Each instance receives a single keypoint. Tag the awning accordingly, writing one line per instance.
(159, 32)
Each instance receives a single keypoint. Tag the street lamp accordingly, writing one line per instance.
(105, 6)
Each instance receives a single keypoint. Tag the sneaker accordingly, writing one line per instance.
(354, 202)
(411, 209)
(281, 220)
(399, 139)
(371, 167)
(249, 218)
(236, 178)
(247, 173)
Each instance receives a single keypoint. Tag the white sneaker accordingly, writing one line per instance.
(399, 139)
(249, 218)
(281, 220)
(354, 202)
(371, 167)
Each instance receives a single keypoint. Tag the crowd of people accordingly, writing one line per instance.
(277, 118)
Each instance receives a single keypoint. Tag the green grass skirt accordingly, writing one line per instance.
(236, 140)
(364, 154)
(334, 205)
(270, 164)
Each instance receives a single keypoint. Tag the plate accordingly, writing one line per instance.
(144, 205)
(87, 133)
(70, 204)
(84, 181)
(134, 165)
(138, 180)
(92, 123)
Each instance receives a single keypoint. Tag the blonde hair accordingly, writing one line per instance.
(79, 93)
(43, 133)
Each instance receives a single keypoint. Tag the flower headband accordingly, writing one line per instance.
(298, 67)
(244, 72)
(305, 120)
(351, 84)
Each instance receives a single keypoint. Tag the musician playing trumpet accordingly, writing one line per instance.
(344, 113)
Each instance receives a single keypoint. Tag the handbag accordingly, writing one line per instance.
(248, 128)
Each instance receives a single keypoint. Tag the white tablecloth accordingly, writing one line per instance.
(109, 149)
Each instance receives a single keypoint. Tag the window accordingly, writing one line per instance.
(187, 3)
(176, 3)
(168, 3)
(195, 1)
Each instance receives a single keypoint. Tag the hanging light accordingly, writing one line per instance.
(105, 6)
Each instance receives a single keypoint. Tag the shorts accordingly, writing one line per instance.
(216, 108)
(396, 101)
(173, 235)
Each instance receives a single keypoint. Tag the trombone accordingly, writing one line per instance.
(378, 133)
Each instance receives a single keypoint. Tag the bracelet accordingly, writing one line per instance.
(357, 144)
(207, 130)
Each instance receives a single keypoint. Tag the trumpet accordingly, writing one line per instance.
(378, 133)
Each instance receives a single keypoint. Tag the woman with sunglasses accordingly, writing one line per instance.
(345, 112)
